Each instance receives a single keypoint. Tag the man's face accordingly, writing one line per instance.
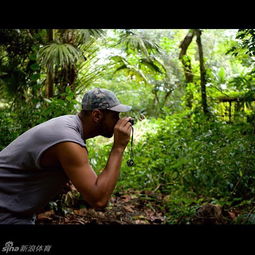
(108, 122)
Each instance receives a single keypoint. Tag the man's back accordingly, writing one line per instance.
(25, 185)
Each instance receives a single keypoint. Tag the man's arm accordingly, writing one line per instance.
(96, 190)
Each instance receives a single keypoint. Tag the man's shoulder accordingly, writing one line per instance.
(57, 124)
(62, 128)
(70, 150)
(67, 117)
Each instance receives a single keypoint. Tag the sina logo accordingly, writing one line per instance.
(9, 247)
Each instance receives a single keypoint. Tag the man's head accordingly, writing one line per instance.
(103, 107)
(103, 99)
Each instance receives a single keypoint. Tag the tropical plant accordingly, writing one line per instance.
(140, 60)
(61, 55)
(19, 70)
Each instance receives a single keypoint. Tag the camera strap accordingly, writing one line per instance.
(131, 162)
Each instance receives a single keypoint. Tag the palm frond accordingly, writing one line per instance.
(57, 55)
(86, 35)
(96, 33)
(131, 70)
(88, 72)
(139, 43)
(122, 67)
(150, 64)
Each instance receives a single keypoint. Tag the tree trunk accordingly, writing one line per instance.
(229, 112)
(49, 88)
(187, 64)
(185, 61)
(202, 72)
(50, 80)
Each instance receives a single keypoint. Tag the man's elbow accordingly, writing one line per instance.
(100, 204)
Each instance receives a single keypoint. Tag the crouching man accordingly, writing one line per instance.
(36, 165)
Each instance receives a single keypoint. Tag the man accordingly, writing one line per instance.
(37, 165)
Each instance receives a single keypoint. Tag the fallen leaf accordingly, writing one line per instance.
(125, 198)
(139, 217)
(232, 215)
(141, 222)
(101, 214)
(129, 208)
(46, 215)
(81, 212)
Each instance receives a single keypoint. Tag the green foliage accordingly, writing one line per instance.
(243, 82)
(9, 129)
(58, 55)
(19, 70)
(246, 41)
(138, 43)
(17, 120)
(39, 111)
(191, 161)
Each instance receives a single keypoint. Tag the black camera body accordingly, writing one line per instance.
(132, 121)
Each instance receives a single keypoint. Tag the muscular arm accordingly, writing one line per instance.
(96, 190)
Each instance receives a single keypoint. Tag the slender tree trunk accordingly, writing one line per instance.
(183, 53)
(229, 112)
(187, 64)
(49, 88)
(202, 72)
(50, 79)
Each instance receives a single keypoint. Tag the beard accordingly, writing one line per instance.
(107, 134)
(105, 131)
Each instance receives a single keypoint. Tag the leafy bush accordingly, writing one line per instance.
(13, 122)
(9, 129)
(209, 158)
(40, 110)
(191, 160)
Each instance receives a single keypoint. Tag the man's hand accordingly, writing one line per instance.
(122, 131)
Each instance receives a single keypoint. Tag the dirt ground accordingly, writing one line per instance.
(133, 207)
(139, 207)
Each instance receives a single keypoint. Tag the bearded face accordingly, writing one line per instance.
(107, 123)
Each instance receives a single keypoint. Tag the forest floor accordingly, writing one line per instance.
(142, 207)
(133, 207)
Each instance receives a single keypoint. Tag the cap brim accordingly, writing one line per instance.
(121, 108)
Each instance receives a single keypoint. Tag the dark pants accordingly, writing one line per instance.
(10, 218)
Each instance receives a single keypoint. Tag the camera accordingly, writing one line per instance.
(132, 121)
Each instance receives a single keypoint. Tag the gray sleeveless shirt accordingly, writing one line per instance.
(25, 186)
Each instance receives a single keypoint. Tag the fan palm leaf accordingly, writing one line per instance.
(78, 37)
(86, 34)
(139, 43)
(58, 55)
(88, 72)
(129, 69)
(153, 64)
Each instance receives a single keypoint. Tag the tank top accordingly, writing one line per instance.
(26, 186)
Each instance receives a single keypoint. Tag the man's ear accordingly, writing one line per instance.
(97, 115)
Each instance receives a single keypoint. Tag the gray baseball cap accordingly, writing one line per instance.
(99, 98)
